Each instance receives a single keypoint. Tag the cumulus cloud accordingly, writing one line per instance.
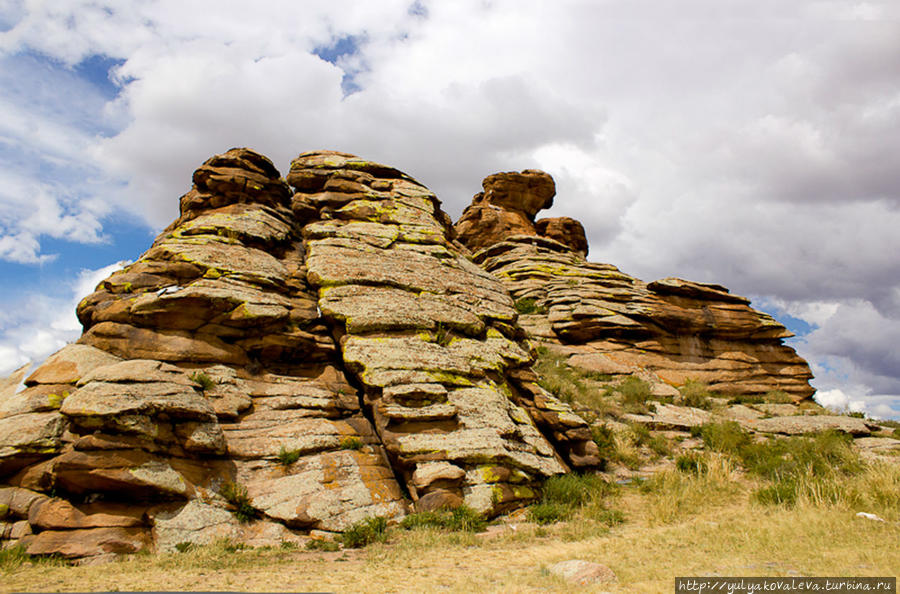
(39, 325)
(756, 145)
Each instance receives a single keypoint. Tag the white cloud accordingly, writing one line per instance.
(43, 324)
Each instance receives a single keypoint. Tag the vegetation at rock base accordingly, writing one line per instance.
(236, 494)
(565, 495)
(569, 384)
(365, 532)
(328, 546)
(696, 394)
(460, 519)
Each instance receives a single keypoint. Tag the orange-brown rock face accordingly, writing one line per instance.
(566, 231)
(614, 323)
(277, 362)
(432, 340)
(506, 207)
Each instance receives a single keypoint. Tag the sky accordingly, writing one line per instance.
(754, 144)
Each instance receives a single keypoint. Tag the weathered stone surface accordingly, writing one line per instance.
(28, 437)
(678, 332)
(668, 416)
(89, 542)
(69, 364)
(529, 191)
(326, 492)
(335, 352)
(59, 514)
(800, 424)
(433, 364)
(201, 523)
(566, 231)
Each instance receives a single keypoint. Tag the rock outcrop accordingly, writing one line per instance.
(283, 361)
(613, 323)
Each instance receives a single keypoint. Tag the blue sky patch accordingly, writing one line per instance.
(342, 47)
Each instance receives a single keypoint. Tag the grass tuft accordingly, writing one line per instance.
(696, 394)
(287, 457)
(365, 532)
(12, 558)
(460, 519)
(236, 494)
(527, 305)
(201, 378)
(328, 546)
(351, 443)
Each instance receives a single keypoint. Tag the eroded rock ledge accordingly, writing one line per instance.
(309, 352)
(612, 323)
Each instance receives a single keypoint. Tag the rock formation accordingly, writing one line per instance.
(284, 362)
(611, 323)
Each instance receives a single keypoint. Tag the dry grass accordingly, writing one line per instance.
(677, 524)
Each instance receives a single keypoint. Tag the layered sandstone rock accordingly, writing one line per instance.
(431, 339)
(305, 358)
(613, 323)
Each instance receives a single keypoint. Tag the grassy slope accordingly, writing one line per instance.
(682, 525)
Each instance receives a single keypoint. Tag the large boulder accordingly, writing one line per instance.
(283, 361)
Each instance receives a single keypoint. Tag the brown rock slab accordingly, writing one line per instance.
(798, 425)
(69, 364)
(88, 542)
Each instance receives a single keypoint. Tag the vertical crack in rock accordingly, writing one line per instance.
(431, 337)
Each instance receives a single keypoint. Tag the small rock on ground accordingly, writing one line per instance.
(582, 572)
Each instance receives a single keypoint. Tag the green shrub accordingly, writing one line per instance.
(778, 397)
(460, 519)
(604, 437)
(351, 443)
(365, 532)
(640, 433)
(236, 494)
(659, 445)
(610, 517)
(781, 492)
(820, 455)
(328, 546)
(690, 462)
(527, 305)
(857, 415)
(567, 383)
(635, 394)
(727, 437)
(696, 394)
(184, 547)
(12, 558)
(549, 512)
(573, 489)
(287, 457)
(200, 377)
(288, 545)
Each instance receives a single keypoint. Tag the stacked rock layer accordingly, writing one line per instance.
(431, 339)
(612, 323)
(280, 363)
